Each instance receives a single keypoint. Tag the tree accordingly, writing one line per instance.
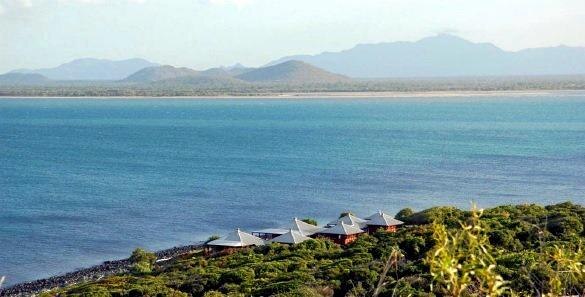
(404, 214)
(565, 226)
(212, 238)
(310, 221)
(461, 262)
(346, 213)
(238, 275)
(391, 261)
(142, 261)
(566, 270)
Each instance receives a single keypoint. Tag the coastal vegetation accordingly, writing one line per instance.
(521, 250)
(213, 86)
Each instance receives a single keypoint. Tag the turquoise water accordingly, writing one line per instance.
(82, 181)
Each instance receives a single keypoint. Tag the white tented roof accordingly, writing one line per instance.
(305, 228)
(237, 238)
(342, 229)
(382, 219)
(349, 219)
(291, 237)
(278, 231)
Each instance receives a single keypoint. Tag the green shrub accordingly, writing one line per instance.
(142, 261)
(461, 261)
(238, 275)
(449, 216)
(310, 221)
(404, 214)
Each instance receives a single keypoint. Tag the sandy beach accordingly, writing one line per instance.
(431, 95)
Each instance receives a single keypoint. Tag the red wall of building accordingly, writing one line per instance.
(373, 229)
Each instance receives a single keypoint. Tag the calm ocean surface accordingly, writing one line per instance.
(83, 181)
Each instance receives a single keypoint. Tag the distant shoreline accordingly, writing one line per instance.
(336, 95)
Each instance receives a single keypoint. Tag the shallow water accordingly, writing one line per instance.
(84, 180)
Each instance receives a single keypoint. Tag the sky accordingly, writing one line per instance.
(208, 33)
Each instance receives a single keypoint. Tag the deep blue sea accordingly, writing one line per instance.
(88, 180)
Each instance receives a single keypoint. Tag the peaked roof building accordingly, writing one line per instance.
(237, 238)
(349, 219)
(269, 233)
(291, 237)
(382, 219)
(342, 229)
(305, 228)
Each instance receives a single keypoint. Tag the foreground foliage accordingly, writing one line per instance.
(524, 250)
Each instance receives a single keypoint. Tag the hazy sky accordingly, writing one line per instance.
(205, 33)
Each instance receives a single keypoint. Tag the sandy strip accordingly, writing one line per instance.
(341, 95)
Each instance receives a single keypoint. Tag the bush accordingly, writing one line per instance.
(212, 238)
(214, 294)
(238, 275)
(449, 216)
(310, 221)
(461, 261)
(142, 261)
(304, 292)
(564, 226)
(404, 214)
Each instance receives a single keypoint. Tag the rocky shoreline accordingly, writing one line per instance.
(88, 274)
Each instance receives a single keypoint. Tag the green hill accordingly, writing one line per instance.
(203, 81)
(160, 73)
(169, 76)
(292, 72)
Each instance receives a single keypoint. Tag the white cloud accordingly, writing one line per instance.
(14, 6)
(238, 3)
(18, 6)
(16, 3)
(8, 6)
(99, 1)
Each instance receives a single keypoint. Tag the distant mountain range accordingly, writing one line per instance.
(92, 69)
(289, 72)
(437, 56)
(443, 56)
(185, 76)
(22, 78)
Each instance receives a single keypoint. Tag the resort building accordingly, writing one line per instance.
(234, 241)
(349, 219)
(269, 233)
(305, 228)
(344, 230)
(341, 233)
(381, 220)
(291, 237)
